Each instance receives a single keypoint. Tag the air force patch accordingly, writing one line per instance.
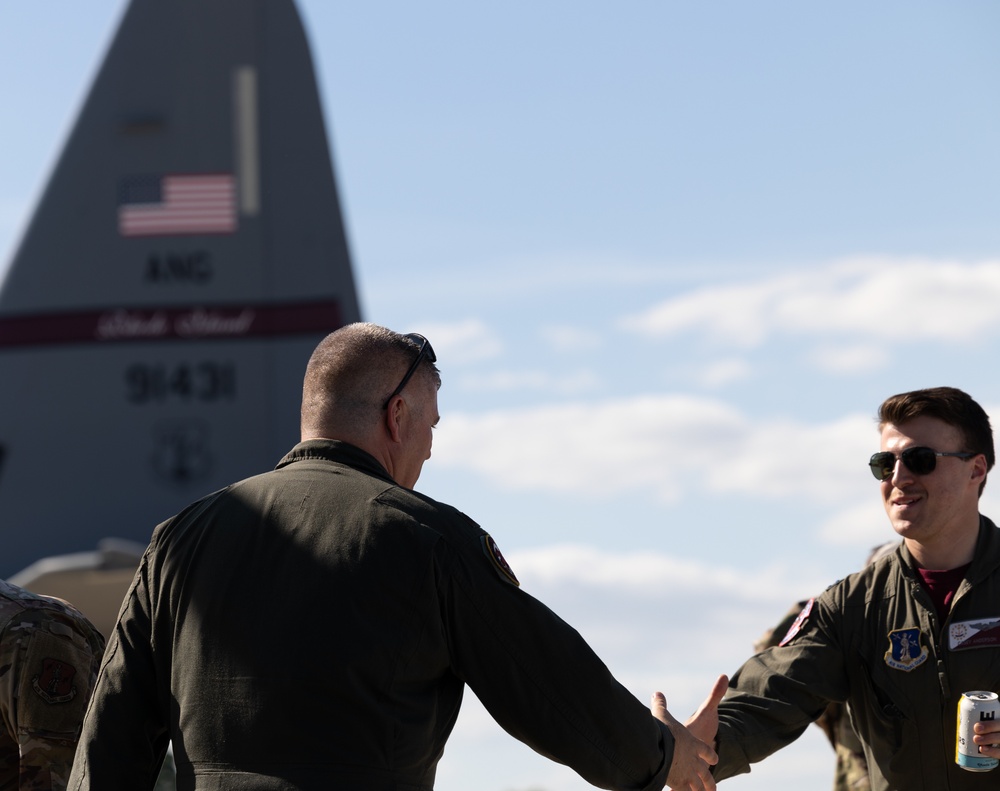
(54, 684)
(905, 651)
(499, 562)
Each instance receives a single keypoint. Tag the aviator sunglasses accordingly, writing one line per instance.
(426, 350)
(919, 461)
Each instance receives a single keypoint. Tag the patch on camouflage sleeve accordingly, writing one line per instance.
(499, 562)
(55, 684)
(798, 623)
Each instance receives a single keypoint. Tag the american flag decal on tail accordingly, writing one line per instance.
(177, 204)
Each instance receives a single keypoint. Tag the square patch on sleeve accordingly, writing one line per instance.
(54, 683)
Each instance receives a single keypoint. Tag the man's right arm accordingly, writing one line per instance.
(776, 694)
(544, 684)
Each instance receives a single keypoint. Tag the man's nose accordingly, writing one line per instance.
(900, 473)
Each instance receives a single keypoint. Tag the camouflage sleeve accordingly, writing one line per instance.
(51, 657)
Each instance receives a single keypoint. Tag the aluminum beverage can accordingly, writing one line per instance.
(973, 707)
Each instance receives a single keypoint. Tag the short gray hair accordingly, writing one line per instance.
(350, 375)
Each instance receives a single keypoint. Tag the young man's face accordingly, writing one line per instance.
(943, 504)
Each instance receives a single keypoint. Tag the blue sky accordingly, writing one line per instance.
(672, 256)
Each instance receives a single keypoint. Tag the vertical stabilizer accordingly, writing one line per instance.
(186, 256)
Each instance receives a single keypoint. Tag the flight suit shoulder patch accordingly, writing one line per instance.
(798, 623)
(499, 562)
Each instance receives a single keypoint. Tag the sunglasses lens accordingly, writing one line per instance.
(920, 461)
(882, 465)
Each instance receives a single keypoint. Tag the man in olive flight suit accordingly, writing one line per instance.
(314, 627)
(902, 639)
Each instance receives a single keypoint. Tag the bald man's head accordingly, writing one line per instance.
(349, 377)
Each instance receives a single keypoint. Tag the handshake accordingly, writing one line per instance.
(694, 750)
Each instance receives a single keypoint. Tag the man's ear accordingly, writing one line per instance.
(394, 417)
(979, 468)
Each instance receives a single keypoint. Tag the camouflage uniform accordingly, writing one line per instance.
(49, 656)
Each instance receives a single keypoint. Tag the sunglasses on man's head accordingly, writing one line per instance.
(919, 461)
(426, 350)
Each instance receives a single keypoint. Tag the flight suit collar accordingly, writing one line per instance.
(338, 452)
(985, 559)
(987, 555)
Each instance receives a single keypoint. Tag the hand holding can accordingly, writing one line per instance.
(973, 707)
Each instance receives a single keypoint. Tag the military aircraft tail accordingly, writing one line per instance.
(184, 259)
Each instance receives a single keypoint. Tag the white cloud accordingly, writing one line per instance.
(538, 381)
(660, 621)
(646, 573)
(462, 342)
(566, 338)
(854, 359)
(724, 372)
(780, 458)
(664, 444)
(732, 313)
(886, 299)
(861, 524)
(606, 447)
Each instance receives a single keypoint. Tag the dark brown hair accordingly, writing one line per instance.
(948, 404)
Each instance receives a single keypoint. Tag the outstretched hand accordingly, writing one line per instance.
(704, 723)
(690, 769)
